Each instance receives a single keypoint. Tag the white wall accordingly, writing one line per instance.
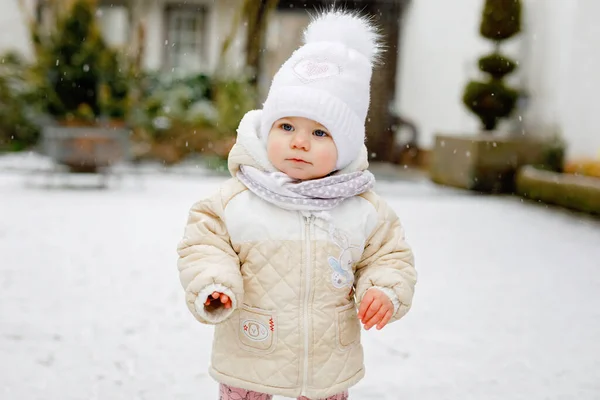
(439, 48)
(545, 60)
(13, 28)
(580, 85)
(559, 64)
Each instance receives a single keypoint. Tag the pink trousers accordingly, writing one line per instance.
(231, 393)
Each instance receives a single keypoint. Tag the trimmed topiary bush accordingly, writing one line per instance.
(492, 100)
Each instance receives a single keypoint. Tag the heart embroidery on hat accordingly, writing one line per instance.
(310, 70)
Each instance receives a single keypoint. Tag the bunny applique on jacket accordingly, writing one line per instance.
(294, 280)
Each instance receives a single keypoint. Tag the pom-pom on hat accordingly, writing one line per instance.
(328, 80)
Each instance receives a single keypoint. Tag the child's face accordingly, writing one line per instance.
(301, 148)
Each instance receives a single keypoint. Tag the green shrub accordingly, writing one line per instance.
(77, 75)
(171, 104)
(233, 99)
(17, 130)
(491, 100)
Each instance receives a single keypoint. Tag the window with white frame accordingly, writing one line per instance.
(186, 40)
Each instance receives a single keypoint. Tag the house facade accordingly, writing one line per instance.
(440, 45)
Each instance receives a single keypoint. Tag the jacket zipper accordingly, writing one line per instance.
(307, 224)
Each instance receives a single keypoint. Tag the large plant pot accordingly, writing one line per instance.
(86, 148)
(483, 163)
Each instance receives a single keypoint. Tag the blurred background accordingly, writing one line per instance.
(117, 115)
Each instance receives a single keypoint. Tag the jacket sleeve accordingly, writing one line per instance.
(387, 262)
(208, 263)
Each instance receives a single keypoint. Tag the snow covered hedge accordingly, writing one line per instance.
(581, 193)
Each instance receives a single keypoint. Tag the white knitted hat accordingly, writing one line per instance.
(328, 80)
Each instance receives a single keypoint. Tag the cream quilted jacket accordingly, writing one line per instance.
(293, 328)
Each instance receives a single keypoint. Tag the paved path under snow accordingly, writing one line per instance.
(507, 305)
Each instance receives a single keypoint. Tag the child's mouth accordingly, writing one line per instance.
(298, 160)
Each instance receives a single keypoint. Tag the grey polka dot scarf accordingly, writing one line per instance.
(314, 195)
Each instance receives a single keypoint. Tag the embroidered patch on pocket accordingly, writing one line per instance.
(257, 329)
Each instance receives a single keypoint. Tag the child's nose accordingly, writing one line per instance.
(300, 140)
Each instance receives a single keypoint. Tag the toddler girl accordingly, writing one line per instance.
(279, 258)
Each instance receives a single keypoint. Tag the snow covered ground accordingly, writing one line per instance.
(507, 305)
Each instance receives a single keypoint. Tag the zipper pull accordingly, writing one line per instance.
(308, 219)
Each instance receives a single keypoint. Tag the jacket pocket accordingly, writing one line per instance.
(257, 329)
(347, 326)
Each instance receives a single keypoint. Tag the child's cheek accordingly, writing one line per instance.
(325, 156)
(273, 147)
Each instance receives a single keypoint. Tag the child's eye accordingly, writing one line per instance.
(320, 133)
(287, 127)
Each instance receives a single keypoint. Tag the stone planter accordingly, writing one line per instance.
(484, 163)
(85, 149)
(581, 193)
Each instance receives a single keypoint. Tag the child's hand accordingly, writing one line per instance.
(375, 308)
(216, 297)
